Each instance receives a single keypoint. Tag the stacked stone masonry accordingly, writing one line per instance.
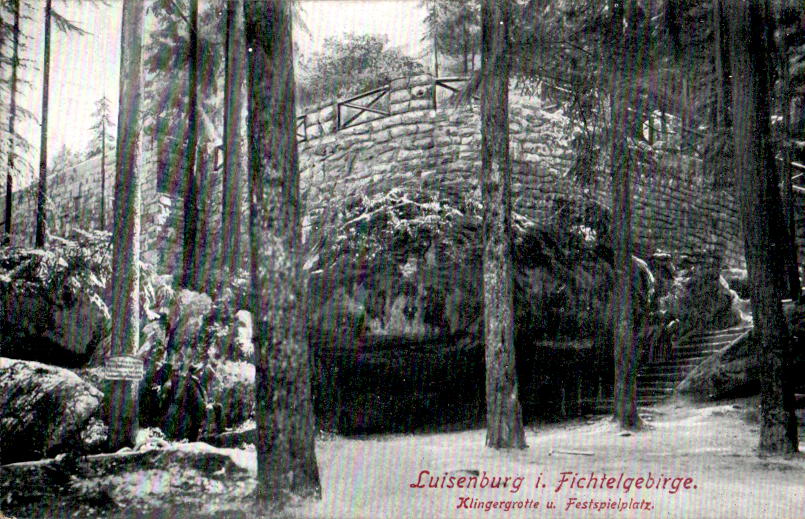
(418, 147)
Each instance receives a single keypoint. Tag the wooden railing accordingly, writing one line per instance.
(301, 122)
(799, 167)
(345, 119)
(360, 107)
(447, 83)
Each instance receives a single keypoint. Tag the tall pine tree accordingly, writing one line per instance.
(63, 24)
(286, 455)
(233, 107)
(623, 56)
(189, 274)
(101, 141)
(125, 282)
(762, 221)
(42, 192)
(12, 120)
(503, 414)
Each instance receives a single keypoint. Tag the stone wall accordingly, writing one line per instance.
(417, 147)
(74, 201)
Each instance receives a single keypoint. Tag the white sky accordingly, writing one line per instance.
(85, 68)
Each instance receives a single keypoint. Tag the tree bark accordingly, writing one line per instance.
(722, 60)
(189, 276)
(503, 414)
(791, 263)
(762, 220)
(125, 279)
(15, 58)
(722, 117)
(286, 457)
(623, 341)
(206, 257)
(465, 50)
(103, 175)
(42, 193)
(233, 108)
(435, 39)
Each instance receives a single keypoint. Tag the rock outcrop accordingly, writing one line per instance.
(699, 297)
(735, 371)
(52, 302)
(395, 317)
(731, 372)
(43, 410)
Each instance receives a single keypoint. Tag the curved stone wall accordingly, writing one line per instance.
(411, 145)
(417, 147)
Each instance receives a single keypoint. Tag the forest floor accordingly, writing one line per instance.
(702, 457)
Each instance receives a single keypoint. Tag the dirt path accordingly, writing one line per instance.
(710, 449)
(694, 461)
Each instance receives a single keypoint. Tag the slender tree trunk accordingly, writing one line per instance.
(205, 255)
(791, 264)
(762, 220)
(623, 341)
(504, 421)
(125, 281)
(722, 111)
(435, 40)
(233, 108)
(42, 193)
(103, 175)
(15, 58)
(6, 236)
(190, 225)
(8, 204)
(286, 456)
(722, 60)
(466, 47)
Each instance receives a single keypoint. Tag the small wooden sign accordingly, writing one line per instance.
(123, 368)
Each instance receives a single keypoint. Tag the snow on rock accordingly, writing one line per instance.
(735, 370)
(199, 477)
(701, 299)
(43, 409)
(234, 390)
(238, 344)
(187, 314)
(53, 301)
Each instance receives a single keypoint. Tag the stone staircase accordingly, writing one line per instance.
(656, 381)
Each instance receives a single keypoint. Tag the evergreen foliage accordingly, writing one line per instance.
(102, 129)
(352, 63)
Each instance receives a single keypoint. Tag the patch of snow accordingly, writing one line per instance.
(240, 457)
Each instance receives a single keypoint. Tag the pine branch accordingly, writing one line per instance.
(65, 25)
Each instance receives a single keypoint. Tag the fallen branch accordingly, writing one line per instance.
(573, 453)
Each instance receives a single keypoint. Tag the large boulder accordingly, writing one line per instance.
(700, 298)
(198, 362)
(395, 309)
(731, 372)
(734, 371)
(189, 479)
(409, 265)
(43, 410)
(233, 390)
(52, 301)
(187, 314)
